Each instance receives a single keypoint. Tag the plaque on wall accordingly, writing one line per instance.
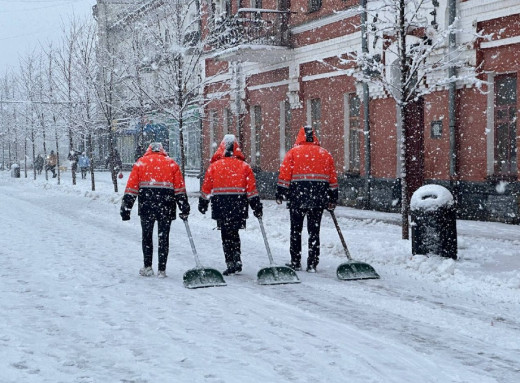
(436, 129)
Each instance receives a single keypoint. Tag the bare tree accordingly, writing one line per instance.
(110, 101)
(65, 64)
(28, 82)
(168, 74)
(86, 68)
(419, 59)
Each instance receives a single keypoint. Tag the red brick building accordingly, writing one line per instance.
(279, 67)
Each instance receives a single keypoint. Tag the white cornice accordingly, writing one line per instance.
(327, 75)
(499, 43)
(270, 85)
(482, 10)
(338, 16)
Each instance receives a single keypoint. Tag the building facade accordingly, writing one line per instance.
(281, 67)
(146, 39)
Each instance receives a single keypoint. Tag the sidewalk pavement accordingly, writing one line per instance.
(481, 229)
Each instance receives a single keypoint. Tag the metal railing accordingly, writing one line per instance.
(252, 26)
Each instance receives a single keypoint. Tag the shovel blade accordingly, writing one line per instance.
(353, 270)
(203, 277)
(277, 275)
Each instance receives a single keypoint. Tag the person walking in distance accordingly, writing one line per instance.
(156, 180)
(308, 180)
(230, 185)
(52, 160)
(38, 164)
(84, 164)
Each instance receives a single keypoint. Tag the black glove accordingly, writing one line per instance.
(125, 214)
(280, 194)
(331, 206)
(258, 212)
(257, 206)
(126, 206)
(203, 205)
(184, 216)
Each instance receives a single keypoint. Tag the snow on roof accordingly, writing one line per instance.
(431, 197)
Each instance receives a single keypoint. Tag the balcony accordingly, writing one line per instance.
(253, 34)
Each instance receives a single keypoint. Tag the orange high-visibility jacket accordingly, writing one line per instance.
(158, 182)
(308, 176)
(230, 184)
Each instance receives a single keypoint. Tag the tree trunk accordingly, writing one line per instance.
(71, 150)
(403, 64)
(405, 206)
(44, 148)
(90, 152)
(181, 144)
(33, 153)
(25, 156)
(111, 164)
(57, 154)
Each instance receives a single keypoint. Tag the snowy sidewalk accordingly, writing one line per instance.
(75, 310)
(492, 230)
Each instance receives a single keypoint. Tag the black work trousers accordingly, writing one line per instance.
(163, 228)
(230, 243)
(313, 229)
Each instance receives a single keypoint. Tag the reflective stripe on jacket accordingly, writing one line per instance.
(230, 184)
(158, 182)
(308, 176)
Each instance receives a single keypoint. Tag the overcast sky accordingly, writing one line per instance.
(25, 23)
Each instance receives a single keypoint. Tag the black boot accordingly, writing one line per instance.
(238, 263)
(231, 269)
(296, 266)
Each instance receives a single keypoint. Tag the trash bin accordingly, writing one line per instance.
(15, 171)
(434, 222)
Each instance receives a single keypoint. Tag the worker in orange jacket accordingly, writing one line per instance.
(158, 182)
(230, 185)
(308, 180)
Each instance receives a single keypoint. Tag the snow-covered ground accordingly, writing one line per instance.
(73, 308)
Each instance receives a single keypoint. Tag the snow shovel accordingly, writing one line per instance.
(274, 275)
(352, 270)
(200, 276)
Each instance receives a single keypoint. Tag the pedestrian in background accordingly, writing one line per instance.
(308, 180)
(38, 164)
(73, 158)
(52, 160)
(230, 185)
(84, 164)
(156, 180)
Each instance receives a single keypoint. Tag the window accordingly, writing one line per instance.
(257, 135)
(213, 122)
(283, 5)
(222, 8)
(258, 5)
(316, 115)
(354, 132)
(289, 137)
(314, 5)
(505, 161)
(228, 121)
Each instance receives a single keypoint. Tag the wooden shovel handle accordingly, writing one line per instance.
(347, 253)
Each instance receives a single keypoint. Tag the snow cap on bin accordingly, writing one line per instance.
(431, 197)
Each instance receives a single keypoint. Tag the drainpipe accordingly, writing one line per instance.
(366, 109)
(452, 72)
